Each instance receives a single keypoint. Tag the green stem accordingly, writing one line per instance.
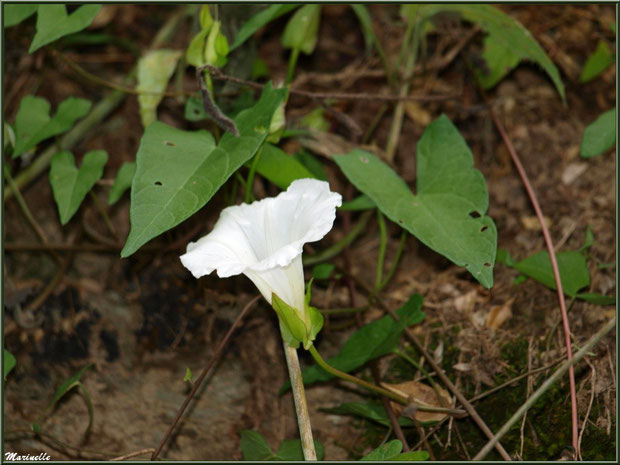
(292, 63)
(104, 215)
(382, 247)
(339, 246)
(301, 404)
(399, 253)
(249, 184)
(373, 387)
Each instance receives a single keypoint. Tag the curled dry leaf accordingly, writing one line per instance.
(499, 314)
(531, 223)
(423, 395)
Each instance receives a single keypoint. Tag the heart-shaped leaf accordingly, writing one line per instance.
(71, 185)
(179, 171)
(33, 123)
(15, 13)
(54, 23)
(448, 212)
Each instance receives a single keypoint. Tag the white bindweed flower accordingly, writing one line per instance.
(264, 241)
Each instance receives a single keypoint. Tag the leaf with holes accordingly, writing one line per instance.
(54, 23)
(33, 123)
(179, 171)
(448, 212)
(70, 184)
(123, 180)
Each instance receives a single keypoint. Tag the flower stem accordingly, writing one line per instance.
(379, 390)
(301, 405)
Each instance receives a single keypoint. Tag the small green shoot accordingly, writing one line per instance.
(599, 136)
(8, 362)
(255, 449)
(599, 61)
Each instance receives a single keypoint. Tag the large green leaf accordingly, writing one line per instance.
(33, 123)
(71, 185)
(279, 167)
(600, 135)
(154, 71)
(259, 20)
(369, 342)
(507, 43)
(15, 13)
(179, 171)
(448, 212)
(54, 23)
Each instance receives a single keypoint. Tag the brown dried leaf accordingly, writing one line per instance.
(499, 314)
(420, 394)
(531, 223)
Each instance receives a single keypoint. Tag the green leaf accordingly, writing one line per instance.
(448, 212)
(155, 69)
(597, 299)
(123, 180)
(600, 135)
(195, 54)
(291, 451)
(361, 202)
(15, 13)
(573, 270)
(65, 387)
(312, 163)
(259, 20)
(280, 168)
(369, 342)
(54, 23)
(302, 30)
(33, 123)
(323, 271)
(179, 171)
(411, 456)
(507, 44)
(254, 447)
(599, 61)
(188, 375)
(385, 451)
(71, 185)
(315, 120)
(370, 410)
(8, 362)
(588, 240)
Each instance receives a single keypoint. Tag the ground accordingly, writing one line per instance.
(144, 320)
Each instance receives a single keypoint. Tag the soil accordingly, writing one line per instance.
(143, 321)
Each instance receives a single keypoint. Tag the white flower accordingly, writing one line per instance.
(264, 240)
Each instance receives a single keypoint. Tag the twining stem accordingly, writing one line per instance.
(301, 405)
(545, 386)
(379, 390)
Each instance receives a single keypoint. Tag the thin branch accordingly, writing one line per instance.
(204, 373)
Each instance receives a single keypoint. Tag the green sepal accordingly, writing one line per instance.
(316, 318)
(292, 327)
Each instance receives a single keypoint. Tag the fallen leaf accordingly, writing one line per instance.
(418, 114)
(462, 367)
(531, 223)
(420, 394)
(499, 314)
(573, 171)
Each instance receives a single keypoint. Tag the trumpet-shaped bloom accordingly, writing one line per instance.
(264, 240)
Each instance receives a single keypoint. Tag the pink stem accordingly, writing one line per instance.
(556, 274)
